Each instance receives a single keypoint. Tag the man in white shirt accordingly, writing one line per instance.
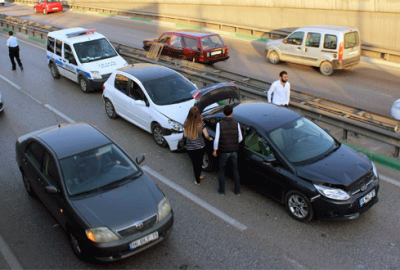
(280, 90)
(13, 50)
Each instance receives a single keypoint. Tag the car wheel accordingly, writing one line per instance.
(110, 110)
(76, 246)
(84, 84)
(208, 161)
(273, 58)
(326, 68)
(44, 11)
(158, 135)
(54, 71)
(28, 186)
(298, 206)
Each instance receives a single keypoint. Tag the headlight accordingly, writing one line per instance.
(164, 208)
(101, 235)
(374, 169)
(175, 125)
(96, 74)
(332, 193)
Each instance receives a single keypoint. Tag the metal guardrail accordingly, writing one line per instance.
(348, 118)
(370, 50)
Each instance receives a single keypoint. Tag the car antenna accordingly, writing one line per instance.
(52, 109)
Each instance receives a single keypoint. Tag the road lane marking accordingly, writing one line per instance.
(389, 180)
(196, 199)
(8, 255)
(66, 118)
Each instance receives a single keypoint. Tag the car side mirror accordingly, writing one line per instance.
(269, 159)
(140, 159)
(327, 130)
(140, 103)
(285, 41)
(51, 189)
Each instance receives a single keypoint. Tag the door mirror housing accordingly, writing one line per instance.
(269, 159)
(51, 189)
(140, 159)
(140, 103)
(285, 41)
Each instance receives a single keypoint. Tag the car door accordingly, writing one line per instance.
(164, 40)
(175, 47)
(292, 48)
(260, 167)
(33, 156)
(312, 51)
(120, 97)
(139, 107)
(190, 48)
(70, 63)
(58, 57)
(40, 5)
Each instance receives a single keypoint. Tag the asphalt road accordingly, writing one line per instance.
(200, 238)
(370, 87)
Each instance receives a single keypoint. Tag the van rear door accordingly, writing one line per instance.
(351, 46)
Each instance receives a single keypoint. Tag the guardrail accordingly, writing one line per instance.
(352, 119)
(254, 33)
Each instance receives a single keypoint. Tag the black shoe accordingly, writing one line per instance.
(220, 193)
(22, 68)
(13, 69)
(236, 193)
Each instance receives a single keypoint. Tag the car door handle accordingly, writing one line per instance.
(40, 180)
(305, 49)
(299, 48)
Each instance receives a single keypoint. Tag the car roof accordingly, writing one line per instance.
(321, 27)
(62, 35)
(147, 72)
(193, 33)
(258, 114)
(70, 139)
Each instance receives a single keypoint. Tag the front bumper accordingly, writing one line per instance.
(120, 249)
(173, 140)
(96, 84)
(326, 209)
(214, 60)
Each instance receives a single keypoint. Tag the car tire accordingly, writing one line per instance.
(28, 186)
(44, 11)
(273, 58)
(76, 246)
(208, 162)
(326, 68)
(54, 71)
(110, 109)
(298, 206)
(84, 84)
(158, 135)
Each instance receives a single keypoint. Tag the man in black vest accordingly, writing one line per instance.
(227, 138)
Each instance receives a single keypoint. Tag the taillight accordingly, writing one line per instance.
(104, 87)
(196, 95)
(226, 51)
(201, 57)
(341, 51)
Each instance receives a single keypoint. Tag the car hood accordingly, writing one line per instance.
(105, 66)
(274, 42)
(122, 206)
(177, 112)
(341, 167)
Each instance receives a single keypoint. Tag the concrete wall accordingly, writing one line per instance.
(378, 20)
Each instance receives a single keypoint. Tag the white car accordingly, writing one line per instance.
(157, 99)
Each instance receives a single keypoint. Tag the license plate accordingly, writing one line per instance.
(367, 197)
(144, 240)
(55, 8)
(215, 52)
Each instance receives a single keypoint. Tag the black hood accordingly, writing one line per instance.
(341, 167)
(122, 206)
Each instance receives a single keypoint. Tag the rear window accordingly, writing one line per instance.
(351, 40)
(211, 42)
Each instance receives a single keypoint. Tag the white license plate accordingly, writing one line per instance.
(144, 240)
(55, 8)
(216, 52)
(367, 197)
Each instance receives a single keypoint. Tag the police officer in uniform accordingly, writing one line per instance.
(13, 49)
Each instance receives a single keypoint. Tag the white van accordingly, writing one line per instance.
(82, 55)
(328, 47)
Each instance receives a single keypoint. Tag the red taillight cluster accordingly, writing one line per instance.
(104, 87)
(196, 95)
(226, 51)
(341, 51)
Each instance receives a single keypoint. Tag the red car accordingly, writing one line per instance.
(47, 6)
(200, 46)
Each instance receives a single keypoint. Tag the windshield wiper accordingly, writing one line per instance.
(181, 100)
(120, 181)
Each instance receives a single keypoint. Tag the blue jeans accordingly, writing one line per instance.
(223, 159)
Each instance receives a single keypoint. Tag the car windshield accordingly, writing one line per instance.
(170, 89)
(301, 141)
(93, 170)
(211, 42)
(94, 50)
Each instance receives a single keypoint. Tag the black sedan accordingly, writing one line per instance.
(294, 161)
(109, 208)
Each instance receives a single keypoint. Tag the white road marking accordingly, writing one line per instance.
(8, 255)
(196, 199)
(389, 180)
(19, 88)
(59, 113)
(11, 83)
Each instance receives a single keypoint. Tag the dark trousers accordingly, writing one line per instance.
(223, 159)
(197, 160)
(14, 53)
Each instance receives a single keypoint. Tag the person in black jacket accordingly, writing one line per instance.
(227, 138)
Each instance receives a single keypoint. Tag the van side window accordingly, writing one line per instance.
(121, 83)
(296, 38)
(68, 54)
(330, 42)
(50, 44)
(351, 40)
(313, 40)
(190, 43)
(58, 47)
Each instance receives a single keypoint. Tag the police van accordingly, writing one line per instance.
(82, 55)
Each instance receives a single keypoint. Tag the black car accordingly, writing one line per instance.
(295, 162)
(108, 206)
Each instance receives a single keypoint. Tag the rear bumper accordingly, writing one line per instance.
(214, 60)
(341, 64)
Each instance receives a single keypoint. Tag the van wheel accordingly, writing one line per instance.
(326, 68)
(110, 110)
(44, 11)
(158, 135)
(54, 71)
(298, 206)
(84, 84)
(273, 58)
